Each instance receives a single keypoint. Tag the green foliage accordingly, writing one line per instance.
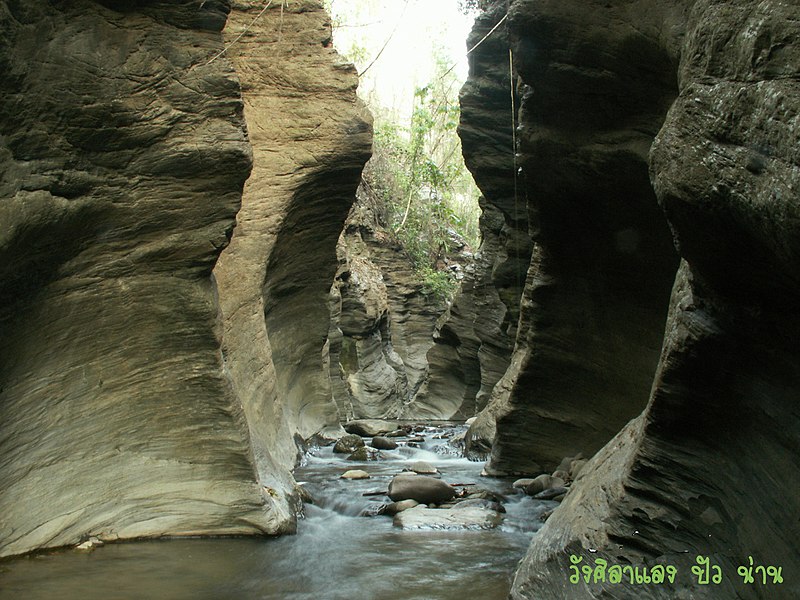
(427, 196)
(468, 6)
(439, 284)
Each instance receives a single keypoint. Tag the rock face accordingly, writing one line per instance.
(381, 320)
(310, 138)
(473, 342)
(596, 294)
(697, 472)
(128, 408)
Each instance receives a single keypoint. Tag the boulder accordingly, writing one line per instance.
(398, 507)
(552, 493)
(369, 427)
(423, 489)
(360, 454)
(543, 482)
(348, 444)
(522, 483)
(383, 443)
(438, 518)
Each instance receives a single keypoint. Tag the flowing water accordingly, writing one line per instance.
(336, 554)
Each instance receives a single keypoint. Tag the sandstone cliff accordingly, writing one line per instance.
(382, 321)
(714, 86)
(474, 340)
(129, 406)
(310, 138)
(596, 294)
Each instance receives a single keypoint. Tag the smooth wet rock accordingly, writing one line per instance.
(423, 468)
(522, 483)
(397, 433)
(470, 421)
(383, 443)
(355, 474)
(479, 503)
(552, 493)
(484, 495)
(423, 489)
(348, 444)
(442, 518)
(89, 545)
(398, 507)
(359, 454)
(543, 482)
(369, 427)
(559, 474)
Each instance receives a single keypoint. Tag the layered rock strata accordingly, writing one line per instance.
(473, 342)
(595, 297)
(123, 157)
(123, 152)
(310, 138)
(700, 471)
(382, 322)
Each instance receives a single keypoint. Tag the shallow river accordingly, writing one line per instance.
(336, 554)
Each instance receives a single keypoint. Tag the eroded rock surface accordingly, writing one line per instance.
(699, 472)
(122, 158)
(382, 321)
(310, 139)
(128, 408)
(596, 293)
(473, 342)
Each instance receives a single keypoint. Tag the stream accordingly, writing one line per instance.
(336, 555)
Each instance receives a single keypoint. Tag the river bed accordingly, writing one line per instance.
(336, 555)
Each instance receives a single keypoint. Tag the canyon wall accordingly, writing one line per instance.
(382, 321)
(473, 342)
(137, 398)
(636, 117)
(595, 297)
(310, 139)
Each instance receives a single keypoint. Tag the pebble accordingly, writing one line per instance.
(423, 468)
(355, 474)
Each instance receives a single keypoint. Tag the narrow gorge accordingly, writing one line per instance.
(200, 295)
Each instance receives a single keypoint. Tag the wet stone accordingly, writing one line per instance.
(348, 444)
(423, 489)
(355, 474)
(383, 443)
(423, 468)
